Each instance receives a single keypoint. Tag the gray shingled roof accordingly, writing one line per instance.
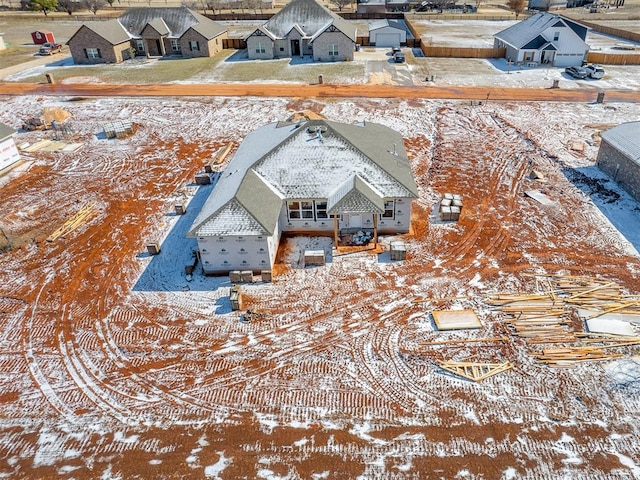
(6, 131)
(378, 24)
(111, 30)
(306, 160)
(626, 139)
(310, 16)
(176, 21)
(355, 195)
(523, 32)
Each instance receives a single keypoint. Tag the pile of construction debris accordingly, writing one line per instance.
(572, 310)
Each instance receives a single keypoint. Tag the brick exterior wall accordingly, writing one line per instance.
(321, 47)
(621, 168)
(252, 44)
(86, 38)
(206, 48)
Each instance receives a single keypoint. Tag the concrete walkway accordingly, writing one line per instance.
(55, 60)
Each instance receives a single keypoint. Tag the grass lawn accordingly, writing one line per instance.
(138, 71)
(16, 55)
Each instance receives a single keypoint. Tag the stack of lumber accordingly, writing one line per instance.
(566, 357)
(79, 218)
(533, 316)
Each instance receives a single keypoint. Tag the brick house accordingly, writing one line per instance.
(147, 32)
(306, 177)
(619, 156)
(303, 28)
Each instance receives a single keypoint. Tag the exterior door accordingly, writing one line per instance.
(355, 221)
(295, 47)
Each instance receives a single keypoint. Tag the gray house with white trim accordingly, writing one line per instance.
(154, 32)
(9, 154)
(312, 177)
(544, 39)
(303, 28)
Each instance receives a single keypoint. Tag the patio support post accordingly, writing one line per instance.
(335, 229)
(375, 229)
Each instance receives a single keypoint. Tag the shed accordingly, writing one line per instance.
(42, 36)
(619, 156)
(387, 33)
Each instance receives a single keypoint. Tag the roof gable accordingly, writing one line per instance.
(524, 32)
(172, 21)
(6, 131)
(232, 218)
(355, 195)
(111, 30)
(310, 16)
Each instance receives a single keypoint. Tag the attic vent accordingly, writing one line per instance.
(316, 130)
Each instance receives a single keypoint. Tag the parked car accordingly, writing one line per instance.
(398, 57)
(50, 48)
(576, 72)
(594, 71)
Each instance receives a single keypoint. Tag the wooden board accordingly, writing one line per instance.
(540, 197)
(455, 319)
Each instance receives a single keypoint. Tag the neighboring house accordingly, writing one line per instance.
(546, 39)
(547, 5)
(619, 156)
(312, 177)
(371, 6)
(303, 27)
(387, 33)
(147, 31)
(8, 150)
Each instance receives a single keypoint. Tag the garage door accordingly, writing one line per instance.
(388, 40)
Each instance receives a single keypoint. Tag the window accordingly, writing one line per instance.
(194, 45)
(92, 53)
(528, 56)
(333, 50)
(321, 209)
(175, 45)
(298, 210)
(260, 48)
(556, 36)
(140, 45)
(389, 208)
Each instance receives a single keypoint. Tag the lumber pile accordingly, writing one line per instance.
(475, 371)
(567, 357)
(545, 317)
(79, 218)
(222, 154)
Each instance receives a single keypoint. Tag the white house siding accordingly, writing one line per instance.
(401, 220)
(571, 48)
(252, 45)
(321, 47)
(221, 254)
(8, 153)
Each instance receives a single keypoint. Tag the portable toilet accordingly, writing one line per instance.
(42, 36)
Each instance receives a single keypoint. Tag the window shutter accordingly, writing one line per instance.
(99, 54)
(86, 55)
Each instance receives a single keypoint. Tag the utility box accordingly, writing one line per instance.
(153, 248)
(234, 276)
(235, 297)
(398, 250)
(203, 179)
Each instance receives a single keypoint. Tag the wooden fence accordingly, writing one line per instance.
(613, 58)
(453, 52)
(234, 43)
(616, 32)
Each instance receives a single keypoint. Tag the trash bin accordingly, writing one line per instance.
(357, 47)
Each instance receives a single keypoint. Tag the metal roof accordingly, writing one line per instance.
(311, 18)
(307, 160)
(626, 139)
(6, 131)
(523, 32)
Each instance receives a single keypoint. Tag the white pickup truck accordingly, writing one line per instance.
(50, 48)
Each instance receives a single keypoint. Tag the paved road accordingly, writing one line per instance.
(322, 90)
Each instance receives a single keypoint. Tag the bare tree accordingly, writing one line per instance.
(94, 5)
(340, 3)
(516, 6)
(478, 3)
(69, 6)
